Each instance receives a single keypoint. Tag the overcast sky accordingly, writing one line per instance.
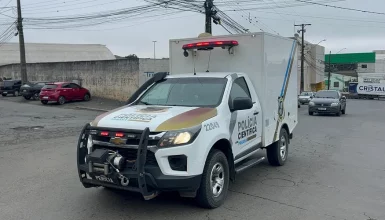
(356, 31)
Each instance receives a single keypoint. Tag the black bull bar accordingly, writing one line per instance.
(137, 173)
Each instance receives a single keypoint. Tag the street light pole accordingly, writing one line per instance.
(330, 54)
(154, 48)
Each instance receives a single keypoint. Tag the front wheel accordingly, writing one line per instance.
(215, 181)
(4, 95)
(338, 113)
(311, 113)
(44, 102)
(277, 152)
(344, 111)
(27, 97)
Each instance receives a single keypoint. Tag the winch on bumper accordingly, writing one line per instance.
(130, 166)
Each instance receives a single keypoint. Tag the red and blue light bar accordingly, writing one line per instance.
(210, 44)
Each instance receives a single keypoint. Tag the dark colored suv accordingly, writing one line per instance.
(10, 87)
(32, 90)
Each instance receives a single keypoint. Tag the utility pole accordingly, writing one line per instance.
(330, 54)
(208, 5)
(154, 56)
(302, 53)
(23, 66)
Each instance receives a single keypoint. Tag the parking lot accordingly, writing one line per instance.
(335, 170)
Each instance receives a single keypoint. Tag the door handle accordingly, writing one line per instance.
(256, 112)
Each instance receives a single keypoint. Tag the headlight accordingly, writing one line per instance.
(181, 137)
(335, 104)
(311, 103)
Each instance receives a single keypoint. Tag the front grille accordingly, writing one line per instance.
(130, 141)
(131, 154)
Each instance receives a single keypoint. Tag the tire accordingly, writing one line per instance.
(61, 100)
(277, 153)
(344, 111)
(27, 97)
(216, 167)
(339, 113)
(16, 93)
(36, 96)
(44, 102)
(87, 97)
(311, 113)
(4, 95)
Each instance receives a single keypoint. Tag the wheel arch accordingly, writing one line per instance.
(286, 127)
(224, 145)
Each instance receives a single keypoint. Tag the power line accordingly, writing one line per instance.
(344, 8)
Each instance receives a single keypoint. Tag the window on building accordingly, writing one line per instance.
(336, 84)
(364, 66)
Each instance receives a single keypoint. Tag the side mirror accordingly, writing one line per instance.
(241, 104)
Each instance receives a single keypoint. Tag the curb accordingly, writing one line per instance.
(92, 109)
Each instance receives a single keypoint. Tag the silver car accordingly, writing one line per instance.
(305, 97)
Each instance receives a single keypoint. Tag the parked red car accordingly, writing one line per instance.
(62, 92)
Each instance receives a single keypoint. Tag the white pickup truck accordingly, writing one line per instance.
(193, 130)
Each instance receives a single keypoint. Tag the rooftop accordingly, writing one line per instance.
(45, 53)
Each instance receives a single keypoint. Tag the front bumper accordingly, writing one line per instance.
(27, 93)
(325, 109)
(144, 176)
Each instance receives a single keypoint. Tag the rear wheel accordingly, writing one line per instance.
(27, 97)
(215, 181)
(311, 113)
(277, 153)
(61, 100)
(4, 94)
(44, 102)
(36, 96)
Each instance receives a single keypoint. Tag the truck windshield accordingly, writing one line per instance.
(194, 91)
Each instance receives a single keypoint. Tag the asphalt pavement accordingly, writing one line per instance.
(336, 170)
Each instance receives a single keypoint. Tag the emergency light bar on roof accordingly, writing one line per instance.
(210, 44)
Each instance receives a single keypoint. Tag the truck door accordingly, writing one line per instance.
(247, 132)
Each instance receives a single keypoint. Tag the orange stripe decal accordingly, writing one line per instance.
(187, 119)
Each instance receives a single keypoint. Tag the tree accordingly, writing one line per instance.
(132, 57)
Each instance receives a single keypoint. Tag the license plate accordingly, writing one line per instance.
(323, 109)
(45, 97)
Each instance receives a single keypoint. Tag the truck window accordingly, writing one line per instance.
(239, 89)
(194, 91)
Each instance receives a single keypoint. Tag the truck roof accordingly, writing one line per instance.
(202, 74)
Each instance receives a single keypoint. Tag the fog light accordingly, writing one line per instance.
(178, 162)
